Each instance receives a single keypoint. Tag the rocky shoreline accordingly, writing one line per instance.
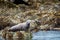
(46, 14)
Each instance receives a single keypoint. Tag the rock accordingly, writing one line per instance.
(9, 36)
(18, 35)
(19, 2)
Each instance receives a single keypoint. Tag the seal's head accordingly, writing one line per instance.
(29, 21)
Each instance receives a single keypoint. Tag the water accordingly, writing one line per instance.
(46, 35)
(1, 38)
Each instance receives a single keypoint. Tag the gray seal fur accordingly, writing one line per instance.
(21, 26)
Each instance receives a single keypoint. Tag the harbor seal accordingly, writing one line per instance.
(21, 26)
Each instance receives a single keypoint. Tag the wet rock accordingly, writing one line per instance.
(18, 35)
(4, 34)
(9, 36)
(22, 35)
